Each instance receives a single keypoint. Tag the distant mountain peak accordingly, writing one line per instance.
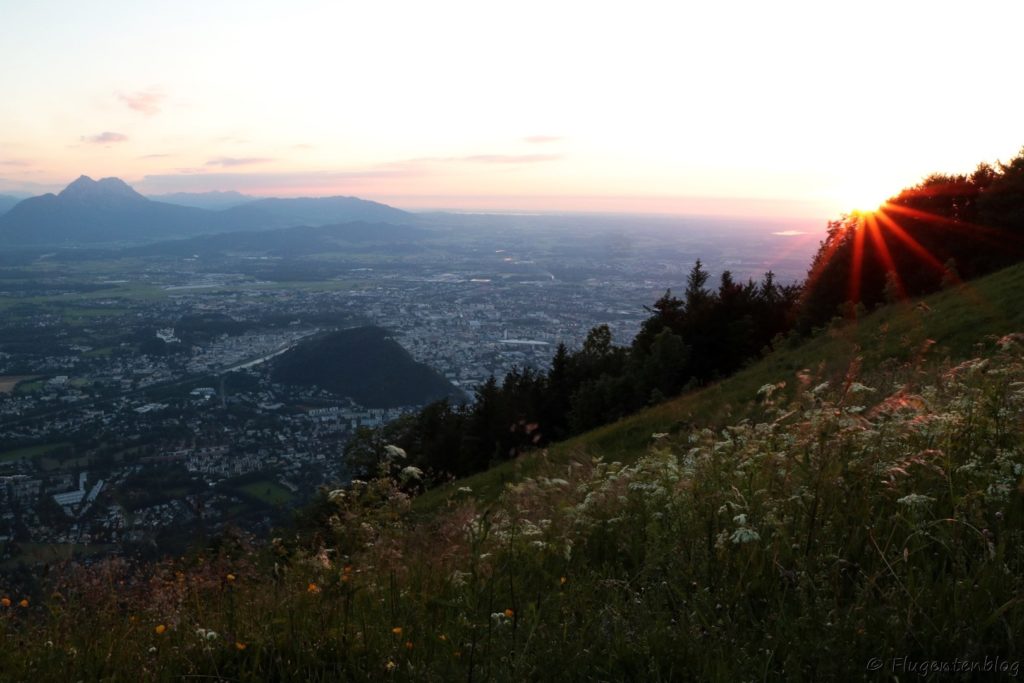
(85, 188)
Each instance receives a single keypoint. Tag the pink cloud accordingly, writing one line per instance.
(105, 138)
(490, 159)
(511, 158)
(238, 161)
(147, 102)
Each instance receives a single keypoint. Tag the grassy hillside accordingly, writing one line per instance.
(847, 509)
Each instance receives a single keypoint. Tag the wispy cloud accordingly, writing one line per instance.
(238, 161)
(105, 138)
(18, 163)
(541, 139)
(492, 159)
(511, 158)
(155, 156)
(146, 102)
(288, 183)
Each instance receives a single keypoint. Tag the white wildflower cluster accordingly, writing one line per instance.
(915, 500)
(410, 474)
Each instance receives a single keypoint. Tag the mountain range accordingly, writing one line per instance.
(109, 211)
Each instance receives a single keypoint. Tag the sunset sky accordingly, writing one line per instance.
(779, 108)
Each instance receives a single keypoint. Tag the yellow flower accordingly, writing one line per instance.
(239, 645)
(443, 637)
(23, 603)
(562, 581)
(230, 577)
(159, 630)
(312, 588)
(509, 613)
(5, 602)
(390, 666)
(397, 630)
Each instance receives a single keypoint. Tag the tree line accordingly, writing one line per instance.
(687, 341)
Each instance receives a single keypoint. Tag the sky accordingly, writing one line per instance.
(784, 108)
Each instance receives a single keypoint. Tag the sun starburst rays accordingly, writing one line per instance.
(875, 240)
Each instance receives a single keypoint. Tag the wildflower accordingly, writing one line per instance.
(312, 588)
(442, 637)
(336, 496)
(152, 649)
(23, 603)
(562, 581)
(5, 602)
(509, 613)
(159, 630)
(744, 535)
(397, 630)
(395, 452)
(915, 500)
(408, 645)
(390, 666)
(239, 645)
(411, 473)
(230, 577)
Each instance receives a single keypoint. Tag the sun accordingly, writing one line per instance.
(863, 196)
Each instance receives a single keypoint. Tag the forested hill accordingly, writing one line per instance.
(366, 364)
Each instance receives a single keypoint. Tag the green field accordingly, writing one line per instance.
(32, 387)
(31, 451)
(267, 491)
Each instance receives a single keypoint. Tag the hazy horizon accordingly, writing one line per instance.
(790, 110)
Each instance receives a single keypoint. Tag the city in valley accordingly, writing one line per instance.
(138, 401)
